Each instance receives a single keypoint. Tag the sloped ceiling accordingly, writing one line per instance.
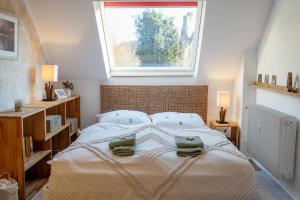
(68, 33)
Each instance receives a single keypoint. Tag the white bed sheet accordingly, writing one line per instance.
(88, 169)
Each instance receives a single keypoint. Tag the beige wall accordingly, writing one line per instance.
(20, 78)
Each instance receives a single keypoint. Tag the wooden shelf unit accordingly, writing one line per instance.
(274, 88)
(32, 187)
(73, 111)
(34, 158)
(73, 135)
(74, 132)
(32, 172)
(55, 132)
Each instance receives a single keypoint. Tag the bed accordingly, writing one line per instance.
(88, 169)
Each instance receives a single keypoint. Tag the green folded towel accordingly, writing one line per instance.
(122, 141)
(123, 151)
(189, 142)
(189, 151)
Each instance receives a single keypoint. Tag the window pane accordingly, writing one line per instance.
(151, 37)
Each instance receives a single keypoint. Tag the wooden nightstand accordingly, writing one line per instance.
(231, 130)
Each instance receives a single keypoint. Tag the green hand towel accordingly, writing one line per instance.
(122, 141)
(123, 151)
(189, 151)
(189, 142)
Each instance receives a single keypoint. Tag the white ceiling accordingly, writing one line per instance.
(69, 35)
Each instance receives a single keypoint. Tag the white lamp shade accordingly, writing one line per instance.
(49, 73)
(223, 99)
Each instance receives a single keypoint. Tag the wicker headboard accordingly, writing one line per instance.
(154, 99)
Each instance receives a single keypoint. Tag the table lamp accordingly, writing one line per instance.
(223, 102)
(49, 75)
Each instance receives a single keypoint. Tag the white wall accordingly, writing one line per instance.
(244, 95)
(89, 91)
(71, 40)
(279, 54)
(249, 97)
(237, 96)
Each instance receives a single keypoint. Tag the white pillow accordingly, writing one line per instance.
(178, 120)
(125, 117)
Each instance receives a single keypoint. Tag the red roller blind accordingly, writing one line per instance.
(150, 3)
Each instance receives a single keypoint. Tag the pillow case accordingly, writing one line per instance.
(178, 120)
(124, 117)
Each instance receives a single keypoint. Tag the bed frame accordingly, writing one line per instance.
(154, 99)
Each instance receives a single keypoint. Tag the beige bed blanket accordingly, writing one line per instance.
(89, 170)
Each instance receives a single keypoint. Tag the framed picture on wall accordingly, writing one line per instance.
(9, 37)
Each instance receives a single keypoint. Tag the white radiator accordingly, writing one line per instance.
(272, 140)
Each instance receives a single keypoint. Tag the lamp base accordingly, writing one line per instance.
(49, 99)
(48, 91)
(219, 122)
(222, 114)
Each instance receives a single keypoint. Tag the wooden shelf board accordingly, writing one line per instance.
(229, 124)
(55, 132)
(26, 112)
(278, 89)
(71, 98)
(33, 187)
(34, 158)
(49, 104)
(35, 107)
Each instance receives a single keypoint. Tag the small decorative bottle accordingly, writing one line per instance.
(290, 82)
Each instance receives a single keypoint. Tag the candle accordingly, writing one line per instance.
(18, 105)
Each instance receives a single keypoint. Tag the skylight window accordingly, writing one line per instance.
(150, 38)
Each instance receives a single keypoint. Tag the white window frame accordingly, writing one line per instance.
(108, 58)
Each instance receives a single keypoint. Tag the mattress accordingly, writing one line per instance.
(88, 170)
